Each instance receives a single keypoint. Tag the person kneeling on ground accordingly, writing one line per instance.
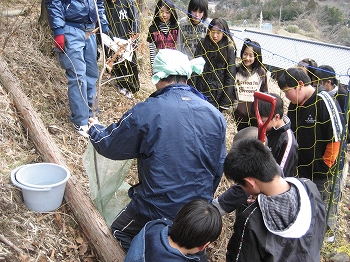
(179, 158)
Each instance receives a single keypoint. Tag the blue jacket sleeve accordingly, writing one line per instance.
(118, 141)
(220, 170)
(102, 15)
(55, 16)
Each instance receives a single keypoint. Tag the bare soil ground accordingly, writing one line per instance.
(56, 236)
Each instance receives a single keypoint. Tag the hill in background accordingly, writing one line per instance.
(325, 21)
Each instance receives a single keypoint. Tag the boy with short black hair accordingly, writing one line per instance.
(286, 222)
(196, 225)
(280, 138)
(281, 142)
(318, 126)
(326, 77)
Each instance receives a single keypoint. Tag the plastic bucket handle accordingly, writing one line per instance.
(31, 185)
(16, 183)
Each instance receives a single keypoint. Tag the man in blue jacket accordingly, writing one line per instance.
(178, 139)
(73, 23)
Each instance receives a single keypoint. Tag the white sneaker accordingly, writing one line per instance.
(82, 130)
(129, 95)
(123, 91)
(330, 239)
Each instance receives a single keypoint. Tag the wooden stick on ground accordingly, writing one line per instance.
(4, 240)
(92, 223)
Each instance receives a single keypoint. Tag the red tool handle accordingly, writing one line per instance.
(262, 126)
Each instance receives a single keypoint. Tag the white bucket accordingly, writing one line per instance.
(42, 185)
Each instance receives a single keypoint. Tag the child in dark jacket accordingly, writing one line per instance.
(280, 138)
(326, 77)
(281, 142)
(217, 82)
(195, 226)
(287, 214)
(164, 28)
(318, 127)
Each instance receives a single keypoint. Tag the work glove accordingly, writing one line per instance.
(135, 44)
(59, 42)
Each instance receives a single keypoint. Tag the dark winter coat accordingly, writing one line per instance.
(123, 17)
(302, 240)
(284, 147)
(217, 82)
(179, 142)
(315, 125)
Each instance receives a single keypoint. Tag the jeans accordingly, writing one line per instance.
(80, 62)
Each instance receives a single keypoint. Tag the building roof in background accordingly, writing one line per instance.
(284, 52)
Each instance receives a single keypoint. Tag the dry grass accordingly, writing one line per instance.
(56, 236)
(52, 236)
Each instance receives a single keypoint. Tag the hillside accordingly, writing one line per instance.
(325, 21)
(57, 235)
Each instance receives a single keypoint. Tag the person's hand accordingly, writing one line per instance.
(59, 42)
(92, 121)
(134, 39)
(251, 199)
(135, 44)
(234, 105)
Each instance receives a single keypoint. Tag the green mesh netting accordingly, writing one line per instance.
(108, 190)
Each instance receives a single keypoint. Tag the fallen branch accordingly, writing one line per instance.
(120, 47)
(4, 240)
(117, 56)
(90, 220)
(13, 12)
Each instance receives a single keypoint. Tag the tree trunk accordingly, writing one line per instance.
(46, 39)
(43, 15)
(93, 225)
(141, 7)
